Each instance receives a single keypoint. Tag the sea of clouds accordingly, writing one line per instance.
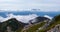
(22, 18)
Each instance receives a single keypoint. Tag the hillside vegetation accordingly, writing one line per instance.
(17, 26)
(54, 22)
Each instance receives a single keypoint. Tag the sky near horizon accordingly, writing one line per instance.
(43, 5)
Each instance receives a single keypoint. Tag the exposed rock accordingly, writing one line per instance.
(55, 29)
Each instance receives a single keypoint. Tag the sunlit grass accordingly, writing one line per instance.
(52, 25)
(35, 27)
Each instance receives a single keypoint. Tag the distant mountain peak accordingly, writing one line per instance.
(39, 19)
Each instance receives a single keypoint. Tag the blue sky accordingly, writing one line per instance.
(43, 5)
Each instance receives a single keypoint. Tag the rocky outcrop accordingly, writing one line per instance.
(55, 29)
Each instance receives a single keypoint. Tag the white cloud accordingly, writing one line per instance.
(48, 16)
(2, 19)
(22, 18)
(44, 5)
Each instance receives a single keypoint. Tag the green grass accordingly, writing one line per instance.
(50, 26)
(55, 21)
(35, 27)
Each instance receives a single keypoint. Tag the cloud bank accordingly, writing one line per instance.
(48, 16)
(21, 18)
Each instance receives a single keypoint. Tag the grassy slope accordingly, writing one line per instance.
(35, 27)
(56, 20)
(51, 26)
